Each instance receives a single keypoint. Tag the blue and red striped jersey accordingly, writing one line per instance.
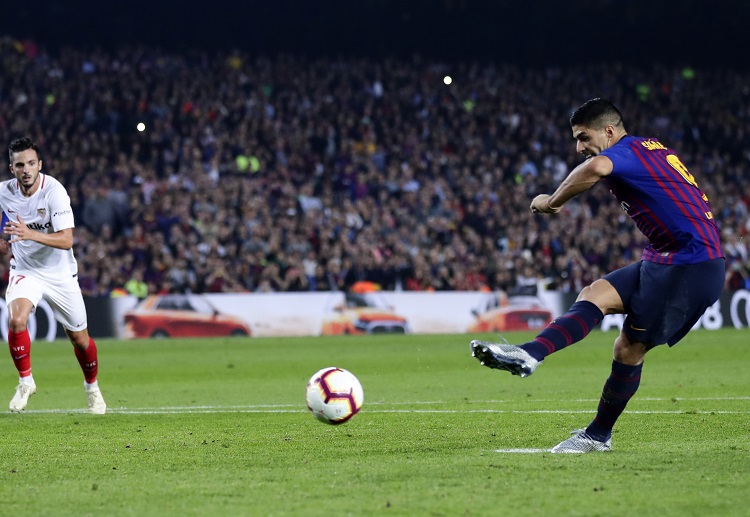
(663, 198)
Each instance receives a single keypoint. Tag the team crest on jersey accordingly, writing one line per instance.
(41, 212)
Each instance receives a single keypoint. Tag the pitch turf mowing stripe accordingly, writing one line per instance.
(207, 410)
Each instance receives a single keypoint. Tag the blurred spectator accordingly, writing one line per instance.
(135, 284)
(738, 277)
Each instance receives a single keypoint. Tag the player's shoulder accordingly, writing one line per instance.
(601, 165)
(8, 185)
(625, 148)
(50, 185)
(50, 182)
(8, 189)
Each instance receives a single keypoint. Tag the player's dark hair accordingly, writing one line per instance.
(22, 144)
(596, 113)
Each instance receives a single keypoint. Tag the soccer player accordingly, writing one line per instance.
(40, 225)
(680, 274)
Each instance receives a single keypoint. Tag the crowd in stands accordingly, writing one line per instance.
(284, 173)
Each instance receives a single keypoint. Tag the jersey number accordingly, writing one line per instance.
(14, 281)
(684, 172)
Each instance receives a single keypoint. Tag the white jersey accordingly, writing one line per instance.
(48, 210)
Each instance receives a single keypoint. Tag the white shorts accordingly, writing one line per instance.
(62, 293)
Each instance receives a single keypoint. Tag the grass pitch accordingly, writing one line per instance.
(219, 427)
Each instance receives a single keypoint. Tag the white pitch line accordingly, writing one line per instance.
(642, 399)
(293, 408)
(522, 451)
(298, 408)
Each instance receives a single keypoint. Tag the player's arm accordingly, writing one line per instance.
(18, 231)
(579, 180)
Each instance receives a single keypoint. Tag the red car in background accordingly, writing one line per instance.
(180, 315)
(363, 313)
(502, 313)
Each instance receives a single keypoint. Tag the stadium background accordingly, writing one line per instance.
(700, 32)
(693, 37)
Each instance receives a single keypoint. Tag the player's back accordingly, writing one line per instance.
(663, 198)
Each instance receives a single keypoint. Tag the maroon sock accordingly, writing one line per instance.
(622, 384)
(569, 328)
(20, 350)
(89, 361)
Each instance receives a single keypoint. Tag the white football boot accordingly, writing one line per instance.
(581, 443)
(512, 358)
(97, 406)
(21, 397)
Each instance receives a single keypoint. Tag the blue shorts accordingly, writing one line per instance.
(663, 302)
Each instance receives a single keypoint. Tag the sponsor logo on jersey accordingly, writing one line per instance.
(68, 211)
(39, 227)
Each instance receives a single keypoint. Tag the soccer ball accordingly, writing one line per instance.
(334, 395)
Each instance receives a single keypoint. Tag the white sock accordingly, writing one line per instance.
(28, 380)
(90, 387)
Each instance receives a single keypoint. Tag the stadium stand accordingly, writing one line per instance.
(309, 174)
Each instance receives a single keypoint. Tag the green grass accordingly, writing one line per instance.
(219, 427)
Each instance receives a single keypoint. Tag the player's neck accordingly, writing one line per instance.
(620, 136)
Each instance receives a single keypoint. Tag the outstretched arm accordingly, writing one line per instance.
(579, 180)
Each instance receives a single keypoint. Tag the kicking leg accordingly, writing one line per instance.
(592, 304)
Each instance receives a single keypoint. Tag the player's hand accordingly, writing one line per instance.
(18, 231)
(540, 205)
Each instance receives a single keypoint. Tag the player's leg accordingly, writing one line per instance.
(22, 295)
(67, 304)
(88, 358)
(19, 344)
(619, 388)
(86, 353)
(594, 301)
(666, 304)
(592, 304)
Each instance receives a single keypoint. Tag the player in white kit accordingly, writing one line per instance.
(40, 225)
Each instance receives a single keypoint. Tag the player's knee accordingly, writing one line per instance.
(585, 294)
(588, 294)
(628, 352)
(79, 339)
(602, 294)
(17, 322)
